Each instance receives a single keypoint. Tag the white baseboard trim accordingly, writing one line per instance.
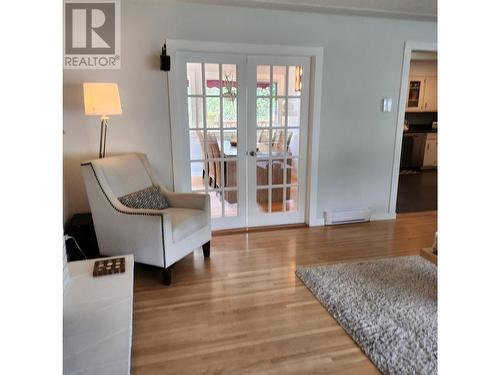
(383, 216)
(378, 216)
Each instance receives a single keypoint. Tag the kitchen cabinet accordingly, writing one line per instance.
(431, 151)
(430, 94)
(422, 94)
(415, 98)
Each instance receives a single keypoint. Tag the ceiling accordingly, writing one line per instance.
(422, 10)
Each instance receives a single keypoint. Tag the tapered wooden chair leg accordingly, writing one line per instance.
(206, 250)
(167, 275)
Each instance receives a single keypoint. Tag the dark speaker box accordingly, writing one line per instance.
(81, 227)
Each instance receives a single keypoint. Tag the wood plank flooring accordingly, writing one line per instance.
(243, 311)
(418, 192)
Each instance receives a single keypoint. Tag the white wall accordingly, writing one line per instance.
(362, 64)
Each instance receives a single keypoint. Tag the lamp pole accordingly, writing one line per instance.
(104, 132)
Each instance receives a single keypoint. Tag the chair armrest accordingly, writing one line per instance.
(187, 200)
(120, 207)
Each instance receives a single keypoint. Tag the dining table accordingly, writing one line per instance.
(275, 159)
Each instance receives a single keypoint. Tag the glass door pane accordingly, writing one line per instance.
(244, 120)
(414, 94)
(278, 127)
(212, 97)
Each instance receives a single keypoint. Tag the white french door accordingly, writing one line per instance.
(241, 135)
(209, 140)
(277, 139)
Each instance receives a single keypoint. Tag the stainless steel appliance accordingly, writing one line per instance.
(412, 152)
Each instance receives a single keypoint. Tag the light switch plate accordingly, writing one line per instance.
(387, 105)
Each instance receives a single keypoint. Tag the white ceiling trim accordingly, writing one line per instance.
(308, 6)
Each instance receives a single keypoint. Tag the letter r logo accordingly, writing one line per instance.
(90, 28)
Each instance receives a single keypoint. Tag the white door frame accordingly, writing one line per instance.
(316, 71)
(398, 138)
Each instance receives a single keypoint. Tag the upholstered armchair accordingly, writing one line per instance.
(158, 237)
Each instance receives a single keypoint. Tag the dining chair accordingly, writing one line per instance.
(213, 152)
(288, 140)
(201, 139)
(278, 138)
(264, 136)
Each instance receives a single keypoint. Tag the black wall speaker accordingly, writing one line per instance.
(164, 59)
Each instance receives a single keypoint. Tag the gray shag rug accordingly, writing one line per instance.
(388, 306)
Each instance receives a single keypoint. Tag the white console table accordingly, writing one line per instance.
(98, 320)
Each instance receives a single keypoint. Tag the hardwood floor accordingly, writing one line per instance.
(243, 310)
(418, 192)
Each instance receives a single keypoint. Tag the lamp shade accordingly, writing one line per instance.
(101, 99)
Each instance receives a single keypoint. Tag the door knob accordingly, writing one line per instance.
(251, 153)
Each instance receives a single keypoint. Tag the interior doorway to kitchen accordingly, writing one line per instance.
(244, 125)
(417, 174)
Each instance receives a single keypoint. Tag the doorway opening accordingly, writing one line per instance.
(417, 172)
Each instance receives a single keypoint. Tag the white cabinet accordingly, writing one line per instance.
(431, 152)
(430, 95)
(422, 94)
(97, 323)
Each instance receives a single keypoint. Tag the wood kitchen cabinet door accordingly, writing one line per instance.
(430, 97)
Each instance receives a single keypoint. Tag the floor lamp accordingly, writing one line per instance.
(102, 99)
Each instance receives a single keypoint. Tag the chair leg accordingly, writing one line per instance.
(167, 275)
(206, 249)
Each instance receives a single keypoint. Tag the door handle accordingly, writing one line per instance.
(251, 153)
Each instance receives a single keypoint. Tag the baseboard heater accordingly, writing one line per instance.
(346, 217)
